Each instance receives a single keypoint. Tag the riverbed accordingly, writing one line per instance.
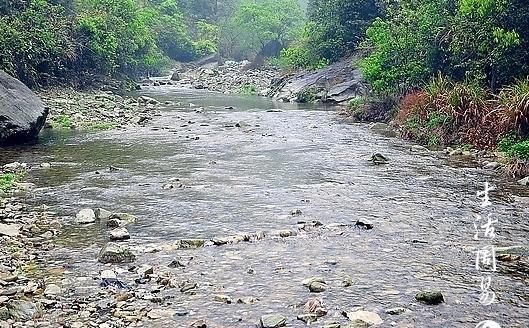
(243, 164)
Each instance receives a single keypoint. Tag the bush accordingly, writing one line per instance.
(300, 57)
(373, 109)
(248, 89)
(36, 42)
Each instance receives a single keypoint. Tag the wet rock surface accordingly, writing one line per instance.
(22, 113)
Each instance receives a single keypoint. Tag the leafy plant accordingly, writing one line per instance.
(248, 89)
(62, 121)
(7, 180)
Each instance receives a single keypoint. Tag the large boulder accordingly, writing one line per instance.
(22, 113)
(336, 83)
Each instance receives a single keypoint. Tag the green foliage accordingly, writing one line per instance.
(308, 95)
(35, 37)
(299, 57)
(514, 146)
(337, 26)
(43, 40)
(7, 180)
(256, 26)
(207, 40)
(482, 41)
(404, 50)
(248, 89)
(62, 121)
(99, 126)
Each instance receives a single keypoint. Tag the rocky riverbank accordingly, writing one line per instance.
(337, 84)
(97, 110)
(229, 78)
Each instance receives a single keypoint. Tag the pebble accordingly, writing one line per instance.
(222, 299)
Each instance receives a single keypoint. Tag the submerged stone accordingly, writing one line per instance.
(273, 321)
(114, 253)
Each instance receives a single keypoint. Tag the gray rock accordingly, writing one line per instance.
(148, 100)
(102, 214)
(396, 311)
(52, 290)
(188, 243)
(155, 314)
(114, 223)
(145, 270)
(287, 233)
(338, 82)
(114, 253)
(430, 297)
(332, 325)
(23, 310)
(273, 321)
(524, 181)
(296, 212)
(247, 300)
(491, 165)
(85, 216)
(378, 159)
(223, 299)
(22, 113)
(361, 317)
(317, 287)
(10, 230)
(124, 217)
(188, 286)
(308, 318)
(199, 324)
(419, 149)
(364, 223)
(315, 284)
(119, 234)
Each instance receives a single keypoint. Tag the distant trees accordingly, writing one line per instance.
(256, 24)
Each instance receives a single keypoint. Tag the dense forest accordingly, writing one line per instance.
(45, 40)
(450, 71)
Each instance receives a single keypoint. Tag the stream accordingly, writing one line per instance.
(242, 170)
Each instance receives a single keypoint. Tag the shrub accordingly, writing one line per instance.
(7, 180)
(373, 109)
(513, 106)
(36, 42)
(248, 89)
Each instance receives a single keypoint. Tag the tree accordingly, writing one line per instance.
(404, 46)
(254, 25)
(337, 26)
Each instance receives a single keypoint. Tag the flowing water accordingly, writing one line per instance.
(243, 170)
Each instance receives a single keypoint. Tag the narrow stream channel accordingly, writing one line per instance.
(244, 170)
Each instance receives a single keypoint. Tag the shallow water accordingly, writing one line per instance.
(248, 178)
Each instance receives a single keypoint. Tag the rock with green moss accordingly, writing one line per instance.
(114, 253)
(430, 297)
